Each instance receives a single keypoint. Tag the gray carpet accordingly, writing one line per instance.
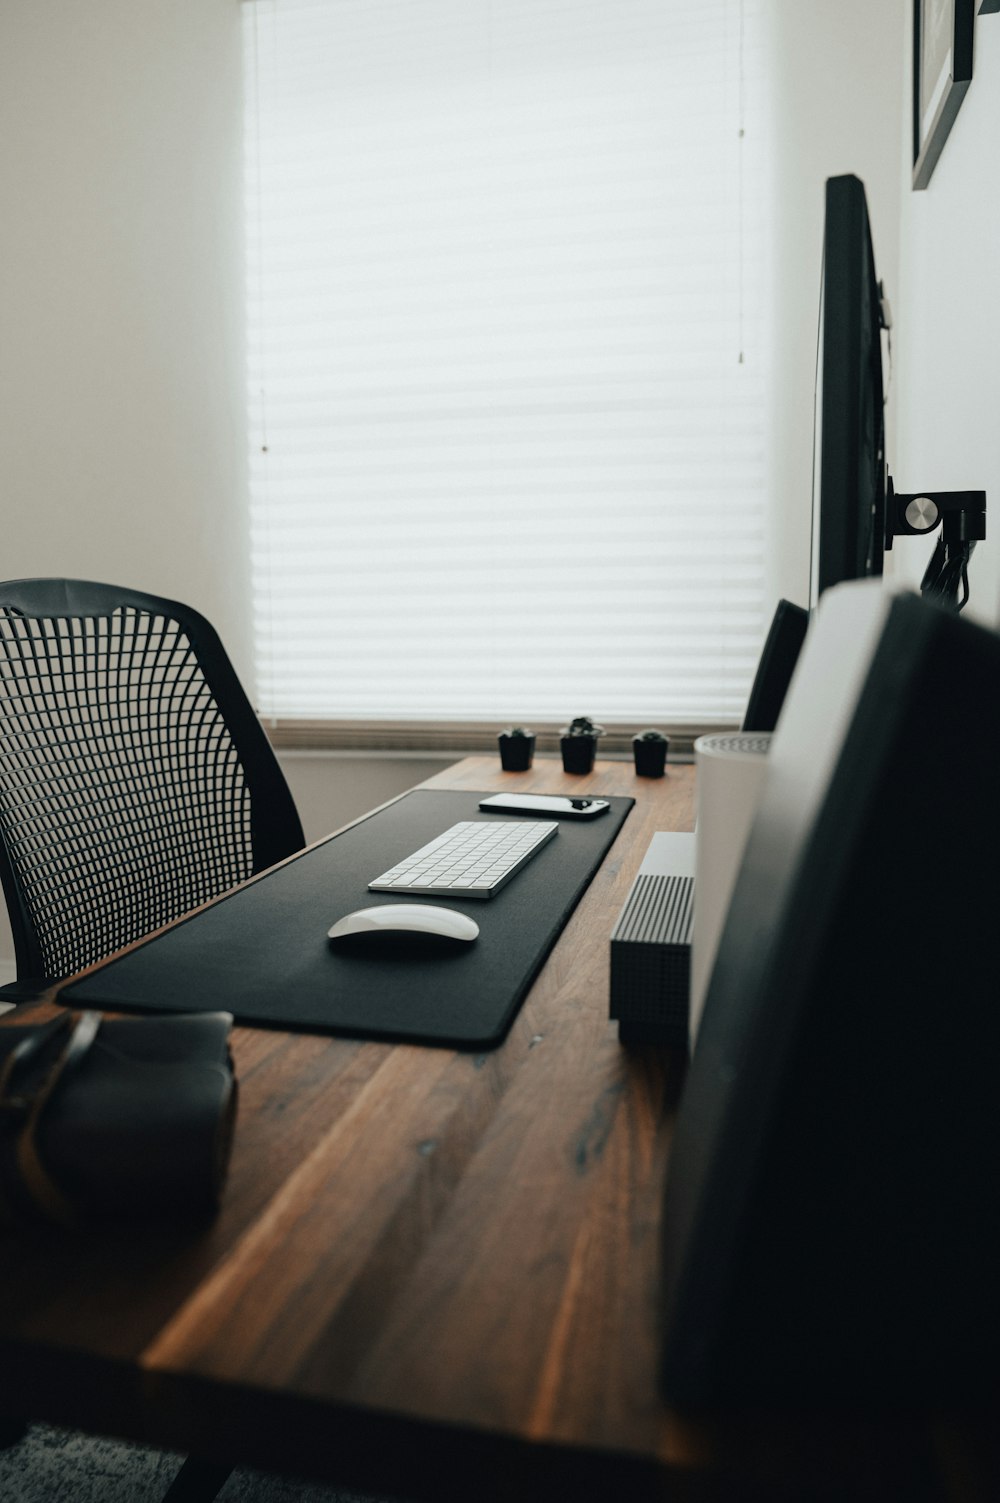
(63, 1466)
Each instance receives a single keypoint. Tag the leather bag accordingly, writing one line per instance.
(104, 1119)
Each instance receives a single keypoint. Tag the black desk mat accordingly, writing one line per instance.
(262, 953)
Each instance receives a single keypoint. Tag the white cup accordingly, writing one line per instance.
(730, 776)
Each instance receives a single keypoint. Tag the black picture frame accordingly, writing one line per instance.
(942, 71)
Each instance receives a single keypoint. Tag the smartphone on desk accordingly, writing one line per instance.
(562, 807)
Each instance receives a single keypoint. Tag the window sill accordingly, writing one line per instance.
(457, 739)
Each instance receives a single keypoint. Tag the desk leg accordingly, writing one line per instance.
(11, 1431)
(197, 1481)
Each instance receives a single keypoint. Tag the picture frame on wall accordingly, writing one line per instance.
(942, 71)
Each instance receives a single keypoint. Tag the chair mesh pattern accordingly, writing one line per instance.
(122, 799)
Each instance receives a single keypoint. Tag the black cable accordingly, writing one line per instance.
(946, 572)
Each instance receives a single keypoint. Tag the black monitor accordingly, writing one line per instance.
(775, 667)
(850, 520)
(832, 1211)
(856, 511)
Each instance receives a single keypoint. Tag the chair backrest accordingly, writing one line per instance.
(135, 779)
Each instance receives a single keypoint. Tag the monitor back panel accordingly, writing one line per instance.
(832, 1213)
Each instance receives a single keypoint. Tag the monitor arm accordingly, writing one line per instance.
(962, 518)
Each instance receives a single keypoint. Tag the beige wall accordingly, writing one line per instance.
(844, 105)
(122, 437)
(947, 334)
(122, 434)
(330, 789)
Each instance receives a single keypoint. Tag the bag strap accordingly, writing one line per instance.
(35, 1179)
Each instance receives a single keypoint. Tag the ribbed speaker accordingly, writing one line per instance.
(651, 946)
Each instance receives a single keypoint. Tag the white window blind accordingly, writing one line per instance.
(507, 276)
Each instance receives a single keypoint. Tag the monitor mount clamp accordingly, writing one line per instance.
(961, 516)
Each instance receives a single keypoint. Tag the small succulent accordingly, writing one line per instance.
(582, 726)
(650, 750)
(517, 748)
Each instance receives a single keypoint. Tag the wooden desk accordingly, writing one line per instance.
(433, 1273)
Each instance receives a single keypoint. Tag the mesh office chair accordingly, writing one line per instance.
(135, 779)
(135, 783)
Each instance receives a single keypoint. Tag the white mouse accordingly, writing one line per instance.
(412, 918)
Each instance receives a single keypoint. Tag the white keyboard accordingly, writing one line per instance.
(471, 860)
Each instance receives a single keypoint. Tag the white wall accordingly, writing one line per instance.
(845, 100)
(332, 788)
(947, 316)
(122, 448)
(841, 80)
(122, 433)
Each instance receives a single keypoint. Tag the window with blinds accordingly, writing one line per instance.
(508, 305)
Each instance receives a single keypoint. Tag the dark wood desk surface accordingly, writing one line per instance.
(433, 1273)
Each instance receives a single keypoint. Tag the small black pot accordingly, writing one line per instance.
(650, 757)
(516, 752)
(578, 753)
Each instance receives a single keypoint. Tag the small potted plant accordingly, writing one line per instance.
(578, 743)
(517, 748)
(649, 750)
